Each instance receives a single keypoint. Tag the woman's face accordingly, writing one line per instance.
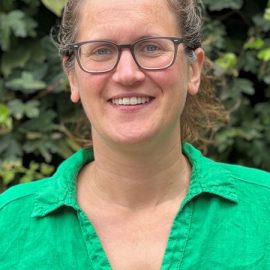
(124, 22)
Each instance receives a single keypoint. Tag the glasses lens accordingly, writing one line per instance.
(154, 53)
(98, 56)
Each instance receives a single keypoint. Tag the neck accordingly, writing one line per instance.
(136, 178)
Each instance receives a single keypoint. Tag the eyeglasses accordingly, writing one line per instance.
(153, 53)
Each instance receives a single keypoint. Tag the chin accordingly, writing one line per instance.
(130, 138)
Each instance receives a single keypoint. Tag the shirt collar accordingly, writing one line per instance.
(207, 177)
(61, 191)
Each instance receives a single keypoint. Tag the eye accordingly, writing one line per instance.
(102, 51)
(151, 48)
(98, 51)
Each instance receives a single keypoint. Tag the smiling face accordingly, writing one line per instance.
(128, 105)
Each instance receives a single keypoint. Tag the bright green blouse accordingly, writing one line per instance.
(223, 223)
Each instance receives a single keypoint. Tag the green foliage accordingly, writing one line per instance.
(217, 5)
(35, 111)
(18, 23)
(54, 6)
(5, 119)
(38, 122)
(239, 47)
(267, 12)
(13, 172)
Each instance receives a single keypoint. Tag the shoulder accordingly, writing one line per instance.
(249, 176)
(22, 192)
(51, 186)
(241, 174)
(16, 208)
(252, 188)
(247, 186)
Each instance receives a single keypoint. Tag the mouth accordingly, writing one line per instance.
(131, 101)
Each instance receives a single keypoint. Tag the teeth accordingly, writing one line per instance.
(133, 101)
(130, 100)
(126, 101)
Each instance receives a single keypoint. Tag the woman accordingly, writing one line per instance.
(146, 200)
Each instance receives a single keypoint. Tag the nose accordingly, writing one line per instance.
(127, 72)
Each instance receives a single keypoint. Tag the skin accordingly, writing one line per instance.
(139, 176)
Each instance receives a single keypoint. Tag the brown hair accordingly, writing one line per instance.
(203, 112)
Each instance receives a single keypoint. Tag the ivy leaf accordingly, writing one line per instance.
(267, 12)
(20, 55)
(11, 21)
(10, 149)
(31, 109)
(16, 108)
(216, 5)
(261, 23)
(7, 5)
(5, 119)
(14, 20)
(54, 6)
(17, 22)
(19, 109)
(227, 61)
(8, 172)
(45, 117)
(264, 55)
(263, 110)
(27, 83)
(215, 36)
(46, 169)
(31, 3)
(13, 59)
(243, 86)
(254, 43)
(43, 146)
(226, 64)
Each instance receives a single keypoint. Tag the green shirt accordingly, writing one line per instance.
(223, 223)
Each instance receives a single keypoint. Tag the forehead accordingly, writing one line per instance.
(126, 17)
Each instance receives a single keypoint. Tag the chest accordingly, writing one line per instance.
(134, 243)
(204, 237)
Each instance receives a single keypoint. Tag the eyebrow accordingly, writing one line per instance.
(116, 42)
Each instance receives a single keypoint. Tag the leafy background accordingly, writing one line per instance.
(37, 119)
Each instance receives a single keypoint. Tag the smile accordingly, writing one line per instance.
(128, 101)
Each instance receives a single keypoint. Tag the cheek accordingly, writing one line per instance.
(92, 86)
(174, 85)
(89, 90)
(172, 81)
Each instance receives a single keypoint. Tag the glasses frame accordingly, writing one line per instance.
(75, 47)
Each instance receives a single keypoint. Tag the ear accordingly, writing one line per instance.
(195, 72)
(74, 86)
(73, 82)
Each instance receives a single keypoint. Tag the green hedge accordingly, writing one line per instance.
(37, 119)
